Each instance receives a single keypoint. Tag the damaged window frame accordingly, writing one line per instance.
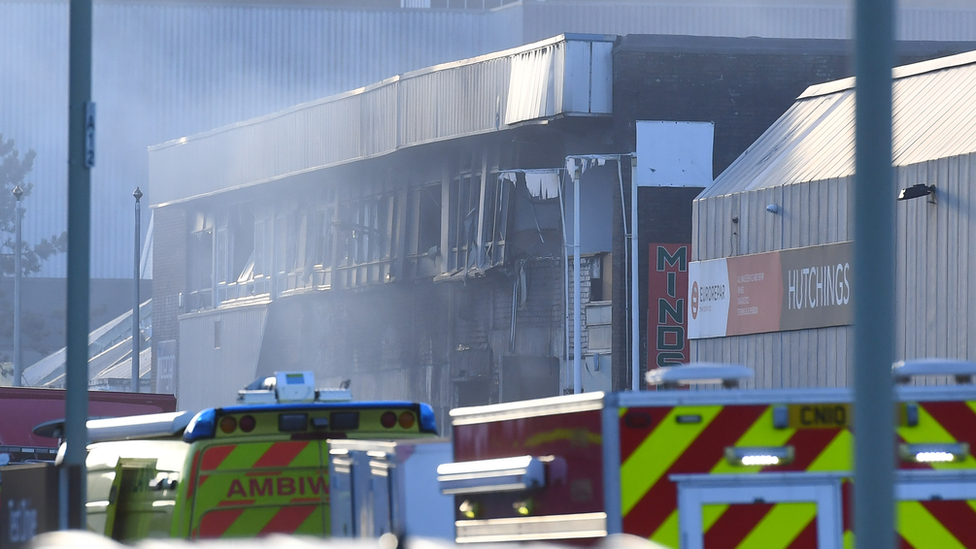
(423, 225)
(240, 268)
(200, 261)
(479, 220)
(364, 240)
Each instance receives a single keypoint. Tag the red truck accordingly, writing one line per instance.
(23, 408)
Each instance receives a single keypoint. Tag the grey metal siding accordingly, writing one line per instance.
(934, 274)
(803, 20)
(449, 101)
(935, 270)
(210, 375)
(165, 70)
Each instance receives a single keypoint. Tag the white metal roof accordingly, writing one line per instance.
(934, 111)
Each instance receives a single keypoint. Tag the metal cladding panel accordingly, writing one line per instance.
(378, 110)
(165, 70)
(229, 344)
(934, 109)
(934, 274)
(34, 113)
(796, 359)
(805, 20)
(442, 102)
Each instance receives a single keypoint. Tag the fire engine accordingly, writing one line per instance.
(711, 468)
(255, 468)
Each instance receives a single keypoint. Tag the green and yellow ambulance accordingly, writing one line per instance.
(246, 470)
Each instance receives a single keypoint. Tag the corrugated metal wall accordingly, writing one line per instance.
(936, 269)
(229, 344)
(935, 272)
(167, 70)
(162, 71)
(804, 20)
(810, 214)
(447, 102)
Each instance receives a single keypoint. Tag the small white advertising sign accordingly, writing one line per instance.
(674, 154)
(708, 298)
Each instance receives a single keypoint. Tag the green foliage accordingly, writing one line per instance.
(13, 170)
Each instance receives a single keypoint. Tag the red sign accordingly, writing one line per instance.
(667, 310)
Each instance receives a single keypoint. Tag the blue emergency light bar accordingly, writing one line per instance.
(204, 424)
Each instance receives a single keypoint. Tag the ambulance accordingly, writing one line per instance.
(246, 470)
(726, 468)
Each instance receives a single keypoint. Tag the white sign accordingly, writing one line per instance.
(708, 298)
(674, 154)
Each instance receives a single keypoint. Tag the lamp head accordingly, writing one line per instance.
(916, 191)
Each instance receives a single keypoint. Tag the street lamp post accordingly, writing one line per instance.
(135, 293)
(18, 244)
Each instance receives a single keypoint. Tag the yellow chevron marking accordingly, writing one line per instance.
(622, 411)
(244, 456)
(667, 534)
(710, 514)
(760, 433)
(921, 529)
(837, 455)
(780, 526)
(251, 521)
(659, 451)
(928, 431)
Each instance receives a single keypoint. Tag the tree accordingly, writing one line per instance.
(13, 170)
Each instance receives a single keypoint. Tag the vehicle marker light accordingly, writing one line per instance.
(203, 425)
(524, 508)
(407, 420)
(428, 423)
(228, 424)
(934, 453)
(761, 456)
(469, 509)
(388, 420)
(247, 423)
(760, 460)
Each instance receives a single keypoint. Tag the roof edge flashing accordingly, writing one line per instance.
(897, 73)
(565, 37)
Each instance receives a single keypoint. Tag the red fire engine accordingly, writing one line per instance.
(710, 468)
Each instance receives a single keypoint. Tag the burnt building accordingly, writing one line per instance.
(414, 238)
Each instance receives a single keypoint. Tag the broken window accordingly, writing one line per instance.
(423, 230)
(466, 205)
(319, 258)
(364, 234)
(240, 257)
(200, 248)
(498, 194)
(479, 220)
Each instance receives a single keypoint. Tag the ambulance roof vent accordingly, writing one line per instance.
(289, 387)
(962, 370)
(670, 377)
